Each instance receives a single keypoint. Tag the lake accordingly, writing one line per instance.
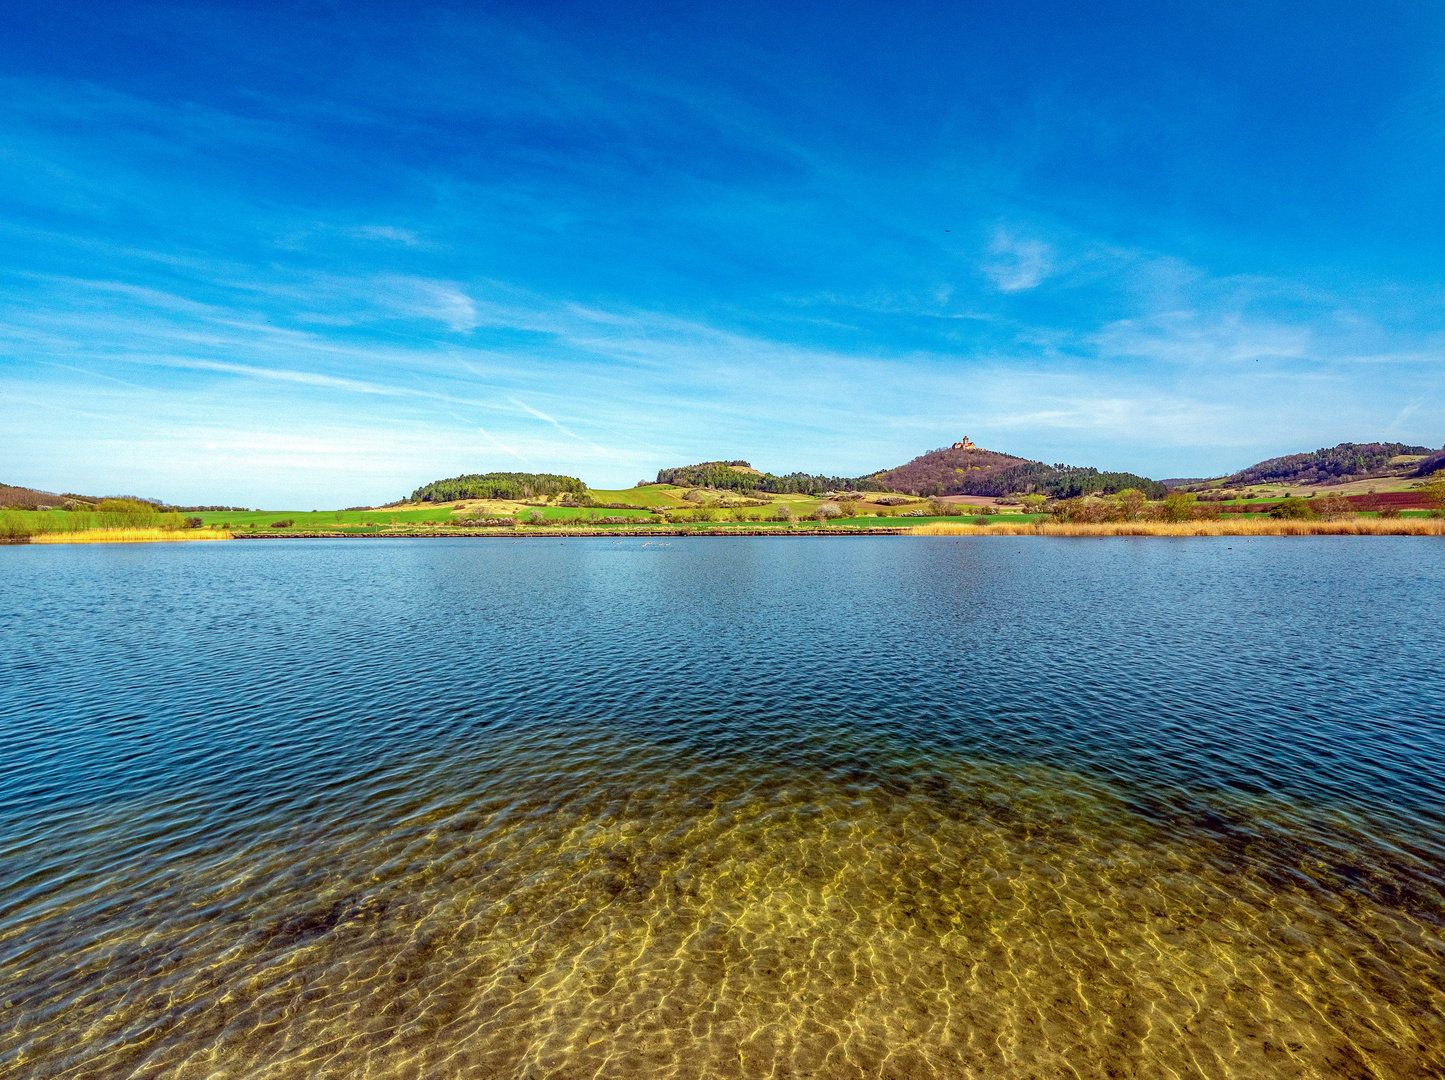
(723, 807)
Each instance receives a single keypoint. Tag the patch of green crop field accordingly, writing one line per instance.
(579, 517)
(652, 495)
(321, 520)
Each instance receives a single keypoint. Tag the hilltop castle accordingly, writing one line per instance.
(967, 444)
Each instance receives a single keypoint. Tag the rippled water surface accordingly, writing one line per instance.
(889, 807)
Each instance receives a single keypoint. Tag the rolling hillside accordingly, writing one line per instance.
(740, 476)
(24, 498)
(972, 470)
(497, 485)
(1343, 463)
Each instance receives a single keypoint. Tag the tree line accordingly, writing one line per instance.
(1326, 463)
(1051, 481)
(105, 514)
(726, 476)
(1431, 465)
(497, 485)
(953, 470)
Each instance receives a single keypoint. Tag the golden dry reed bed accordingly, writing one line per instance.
(1247, 527)
(128, 536)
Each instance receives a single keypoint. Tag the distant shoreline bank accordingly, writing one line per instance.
(1248, 527)
(1218, 528)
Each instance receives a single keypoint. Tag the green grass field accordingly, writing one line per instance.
(322, 520)
(661, 495)
(18, 524)
(425, 515)
(371, 521)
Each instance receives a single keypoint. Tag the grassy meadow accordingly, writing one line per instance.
(121, 516)
(635, 506)
(662, 506)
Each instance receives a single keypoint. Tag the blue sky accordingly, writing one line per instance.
(302, 256)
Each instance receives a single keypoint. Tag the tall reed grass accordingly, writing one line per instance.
(128, 536)
(1223, 527)
(23, 524)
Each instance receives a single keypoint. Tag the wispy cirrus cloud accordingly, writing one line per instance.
(1016, 263)
(387, 233)
(1067, 344)
(570, 347)
(503, 446)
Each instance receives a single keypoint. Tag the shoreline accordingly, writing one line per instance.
(1218, 528)
(1366, 527)
(501, 534)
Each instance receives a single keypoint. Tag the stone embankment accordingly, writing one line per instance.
(540, 534)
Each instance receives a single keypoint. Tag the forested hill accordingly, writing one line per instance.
(14, 497)
(24, 498)
(1347, 461)
(740, 476)
(975, 471)
(497, 485)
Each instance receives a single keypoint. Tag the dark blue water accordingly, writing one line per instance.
(835, 806)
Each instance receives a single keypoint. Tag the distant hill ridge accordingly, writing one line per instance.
(965, 469)
(497, 485)
(14, 497)
(24, 498)
(960, 469)
(740, 476)
(1342, 463)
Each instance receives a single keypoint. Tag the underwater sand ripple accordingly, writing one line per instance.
(964, 921)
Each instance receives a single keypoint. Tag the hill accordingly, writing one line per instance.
(497, 485)
(964, 469)
(24, 498)
(14, 497)
(1343, 463)
(740, 476)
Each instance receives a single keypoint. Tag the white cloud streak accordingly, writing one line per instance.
(503, 446)
(1198, 365)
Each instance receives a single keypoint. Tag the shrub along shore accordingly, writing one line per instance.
(110, 521)
(1224, 527)
(1237, 526)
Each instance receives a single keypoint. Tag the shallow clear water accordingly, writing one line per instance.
(892, 807)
